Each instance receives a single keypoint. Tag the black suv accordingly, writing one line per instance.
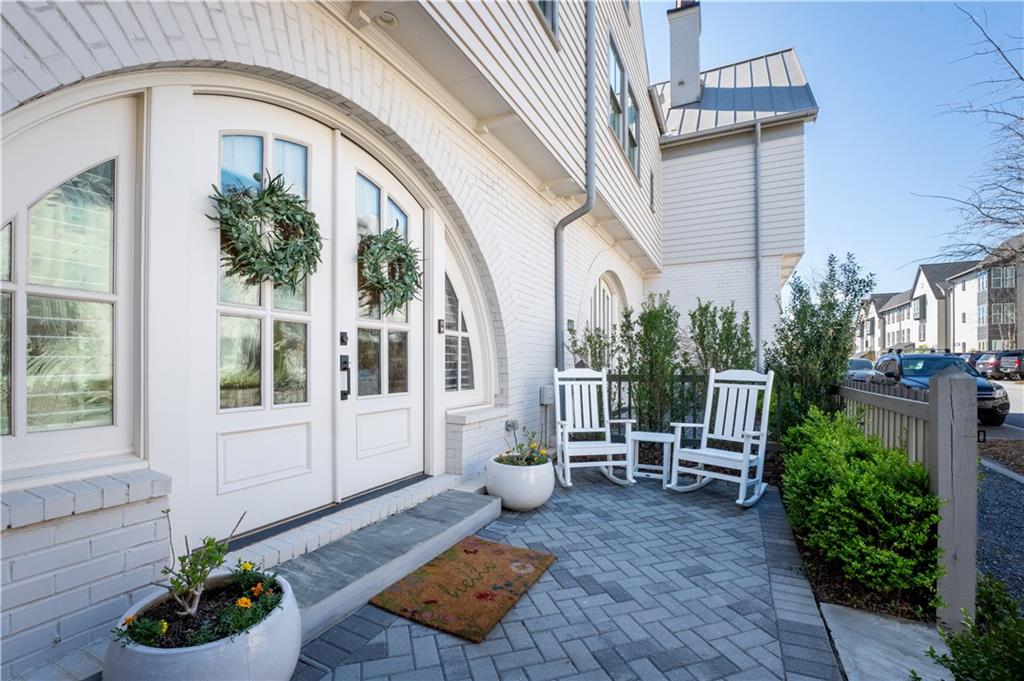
(915, 370)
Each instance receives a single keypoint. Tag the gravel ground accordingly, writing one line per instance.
(1010, 453)
(1001, 530)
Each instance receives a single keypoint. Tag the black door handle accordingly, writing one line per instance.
(344, 366)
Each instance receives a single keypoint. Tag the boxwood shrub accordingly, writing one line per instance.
(862, 507)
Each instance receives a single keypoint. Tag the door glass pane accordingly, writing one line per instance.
(289, 362)
(290, 161)
(286, 299)
(5, 251)
(69, 363)
(451, 306)
(71, 231)
(451, 363)
(368, 222)
(369, 361)
(399, 221)
(240, 352)
(241, 158)
(5, 364)
(398, 367)
(466, 379)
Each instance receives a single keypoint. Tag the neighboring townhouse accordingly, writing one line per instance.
(964, 311)
(898, 328)
(732, 176)
(138, 376)
(869, 339)
(929, 308)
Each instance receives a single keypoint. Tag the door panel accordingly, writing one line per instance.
(380, 424)
(261, 415)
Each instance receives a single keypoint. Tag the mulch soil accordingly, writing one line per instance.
(214, 602)
(1009, 453)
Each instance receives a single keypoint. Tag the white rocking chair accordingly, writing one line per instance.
(581, 406)
(739, 401)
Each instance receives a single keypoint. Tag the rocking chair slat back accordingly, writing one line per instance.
(581, 401)
(732, 405)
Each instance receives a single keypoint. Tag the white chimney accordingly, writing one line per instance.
(684, 52)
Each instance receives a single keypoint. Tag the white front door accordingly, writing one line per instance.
(262, 392)
(380, 401)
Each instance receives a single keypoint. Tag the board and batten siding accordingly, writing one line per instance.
(708, 197)
(543, 81)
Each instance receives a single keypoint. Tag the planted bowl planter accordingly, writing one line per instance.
(521, 487)
(268, 650)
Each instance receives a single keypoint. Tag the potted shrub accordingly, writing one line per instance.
(211, 623)
(522, 476)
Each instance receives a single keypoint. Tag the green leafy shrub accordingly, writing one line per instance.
(594, 348)
(718, 337)
(861, 506)
(991, 646)
(651, 358)
(813, 341)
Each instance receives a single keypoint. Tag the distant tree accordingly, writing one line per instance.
(991, 222)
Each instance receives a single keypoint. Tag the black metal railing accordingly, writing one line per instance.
(687, 404)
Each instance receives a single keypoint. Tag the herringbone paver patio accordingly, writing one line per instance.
(648, 585)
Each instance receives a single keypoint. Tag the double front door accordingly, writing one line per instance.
(299, 397)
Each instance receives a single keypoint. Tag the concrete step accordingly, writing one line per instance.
(337, 578)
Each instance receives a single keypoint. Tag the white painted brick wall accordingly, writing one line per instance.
(723, 282)
(67, 579)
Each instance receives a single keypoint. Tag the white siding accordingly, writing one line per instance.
(963, 313)
(708, 197)
(545, 85)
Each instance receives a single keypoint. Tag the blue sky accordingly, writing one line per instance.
(882, 73)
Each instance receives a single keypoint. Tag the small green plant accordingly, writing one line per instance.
(991, 645)
(718, 337)
(186, 583)
(594, 348)
(863, 507)
(529, 452)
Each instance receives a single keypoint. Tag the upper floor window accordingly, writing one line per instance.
(983, 280)
(982, 315)
(549, 11)
(1004, 313)
(623, 112)
(1004, 277)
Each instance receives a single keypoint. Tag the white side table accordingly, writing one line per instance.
(648, 470)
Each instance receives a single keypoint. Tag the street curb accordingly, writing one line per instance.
(999, 468)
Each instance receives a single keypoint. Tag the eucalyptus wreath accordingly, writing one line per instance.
(390, 268)
(267, 233)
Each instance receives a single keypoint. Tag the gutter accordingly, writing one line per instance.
(758, 353)
(588, 202)
(806, 116)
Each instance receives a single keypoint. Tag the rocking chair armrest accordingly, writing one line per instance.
(675, 424)
(621, 420)
(750, 433)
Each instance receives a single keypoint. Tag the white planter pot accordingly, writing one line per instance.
(268, 651)
(521, 488)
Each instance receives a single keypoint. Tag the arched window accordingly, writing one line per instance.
(458, 344)
(605, 305)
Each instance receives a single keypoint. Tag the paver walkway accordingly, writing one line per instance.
(648, 585)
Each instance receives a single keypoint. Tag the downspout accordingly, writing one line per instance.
(588, 202)
(759, 354)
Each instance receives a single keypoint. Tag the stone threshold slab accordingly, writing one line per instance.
(338, 578)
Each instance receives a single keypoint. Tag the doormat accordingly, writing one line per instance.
(467, 589)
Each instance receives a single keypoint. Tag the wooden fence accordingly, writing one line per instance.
(937, 427)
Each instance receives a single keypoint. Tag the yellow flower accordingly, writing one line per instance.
(543, 452)
(163, 627)
(533, 445)
(246, 566)
(243, 602)
(128, 621)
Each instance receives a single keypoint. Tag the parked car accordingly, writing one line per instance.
(988, 365)
(972, 357)
(859, 369)
(915, 371)
(1011, 364)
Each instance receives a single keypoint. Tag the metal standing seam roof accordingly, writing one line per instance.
(762, 88)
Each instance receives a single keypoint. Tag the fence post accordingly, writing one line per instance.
(952, 462)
